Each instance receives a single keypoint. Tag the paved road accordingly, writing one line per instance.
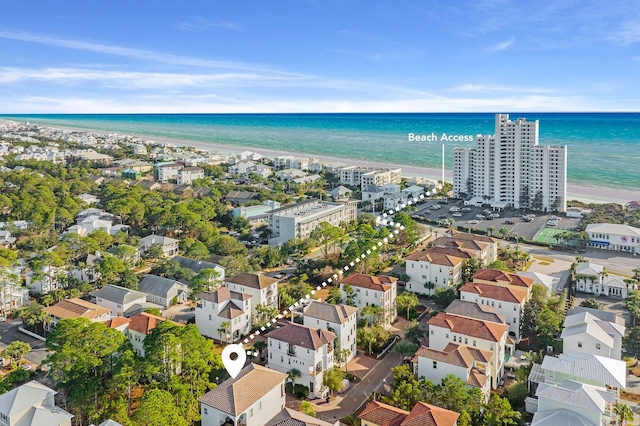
(360, 392)
(9, 333)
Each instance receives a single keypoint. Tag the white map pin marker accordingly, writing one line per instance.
(234, 365)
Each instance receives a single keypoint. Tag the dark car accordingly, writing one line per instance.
(401, 284)
(509, 222)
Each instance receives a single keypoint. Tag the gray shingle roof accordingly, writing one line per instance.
(158, 286)
(258, 281)
(196, 265)
(475, 310)
(338, 314)
(222, 294)
(299, 335)
(117, 294)
(234, 396)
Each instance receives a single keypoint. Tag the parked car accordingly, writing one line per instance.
(473, 222)
(496, 215)
(466, 209)
(551, 223)
(401, 284)
(479, 216)
(509, 222)
(457, 215)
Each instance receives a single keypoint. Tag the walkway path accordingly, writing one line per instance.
(358, 394)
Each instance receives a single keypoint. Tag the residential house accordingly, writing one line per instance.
(140, 149)
(414, 191)
(238, 197)
(117, 299)
(139, 327)
(422, 414)
(198, 266)
(89, 199)
(339, 319)
(290, 174)
(290, 417)
(487, 246)
(223, 314)
(469, 364)
(242, 168)
(133, 164)
(540, 279)
(509, 300)
(85, 268)
(165, 172)
(475, 310)
(593, 278)
(264, 289)
(592, 404)
(74, 308)
(446, 328)
(169, 245)
(604, 372)
(32, 404)
(559, 417)
(309, 350)
(45, 281)
(254, 396)
(378, 290)
(187, 175)
(163, 291)
(435, 267)
(6, 239)
(340, 193)
(586, 333)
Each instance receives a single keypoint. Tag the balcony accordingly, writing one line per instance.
(291, 352)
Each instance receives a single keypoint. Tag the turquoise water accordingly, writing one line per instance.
(604, 148)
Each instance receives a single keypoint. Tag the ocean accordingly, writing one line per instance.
(603, 148)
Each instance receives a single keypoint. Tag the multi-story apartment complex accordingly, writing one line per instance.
(511, 169)
(363, 176)
(299, 220)
(187, 175)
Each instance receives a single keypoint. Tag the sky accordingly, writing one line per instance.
(212, 56)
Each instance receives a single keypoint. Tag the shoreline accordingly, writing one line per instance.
(586, 194)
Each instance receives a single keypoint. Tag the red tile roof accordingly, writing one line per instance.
(382, 414)
(145, 322)
(506, 294)
(441, 256)
(116, 322)
(378, 283)
(300, 335)
(469, 327)
(497, 276)
(424, 414)
(460, 355)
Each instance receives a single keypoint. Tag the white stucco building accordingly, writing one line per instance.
(263, 289)
(252, 398)
(594, 279)
(187, 175)
(435, 267)
(309, 350)
(489, 336)
(339, 319)
(374, 290)
(299, 220)
(223, 315)
(510, 168)
(610, 236)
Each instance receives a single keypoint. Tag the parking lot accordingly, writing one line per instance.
(511, 219)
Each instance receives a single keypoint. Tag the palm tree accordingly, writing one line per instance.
(292, 375)
(429, 286)
(603, 274)
(223, 330)
(491, 230)
(624, 412)
(502, 232)
(259, 346)
(343, 354)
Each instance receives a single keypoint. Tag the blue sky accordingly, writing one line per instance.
(71, 56)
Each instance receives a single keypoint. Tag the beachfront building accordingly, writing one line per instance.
(365, 176)
(299, 220)
(339, 319)
(445, 329)
(223, 314)
(594, 279)
(251, 399)
(467, 363)
(610, 236)
(307, 349)
(187, 175)
(511, 169)
(373, 291)
(263, 289)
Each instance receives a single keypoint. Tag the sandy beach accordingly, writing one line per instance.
(585, 194)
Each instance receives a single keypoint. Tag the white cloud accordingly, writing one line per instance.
(504, 45)
(200, 24)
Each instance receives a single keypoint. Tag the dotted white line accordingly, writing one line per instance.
(386, 222)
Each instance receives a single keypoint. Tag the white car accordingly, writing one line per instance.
(552, 223)
(473, 222)
(457, 215)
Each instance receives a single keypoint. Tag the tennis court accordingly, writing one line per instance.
(547, 235)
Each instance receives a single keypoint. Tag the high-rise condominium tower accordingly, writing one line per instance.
(510, 168)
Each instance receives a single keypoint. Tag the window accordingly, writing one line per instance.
(579, 344)
(435, 364)
(598, 346)
(250, 412)
(203, 409)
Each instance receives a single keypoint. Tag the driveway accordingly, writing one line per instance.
(9, 333)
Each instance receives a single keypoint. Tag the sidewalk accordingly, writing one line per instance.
(355, 397)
